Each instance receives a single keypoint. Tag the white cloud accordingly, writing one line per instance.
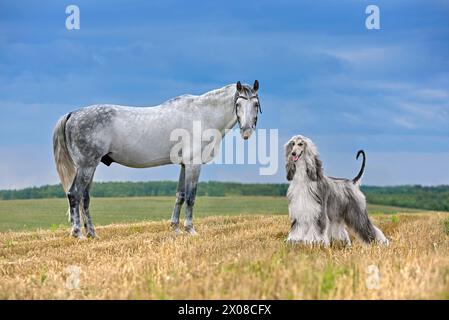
(367, 56)
(433, 93)
(404, 122)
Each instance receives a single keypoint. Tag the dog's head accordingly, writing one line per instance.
(301, 149)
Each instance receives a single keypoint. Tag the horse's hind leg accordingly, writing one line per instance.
(76, 192)
(180, 198)
(192, 175)
(88, 225)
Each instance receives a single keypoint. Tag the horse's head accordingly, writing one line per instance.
(247, 108)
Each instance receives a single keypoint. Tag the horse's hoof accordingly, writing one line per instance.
(190, 230)
(91, 234)
(177, 231)
(76, 233)
(175, 228)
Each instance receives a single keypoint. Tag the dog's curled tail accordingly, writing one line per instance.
(362, 169)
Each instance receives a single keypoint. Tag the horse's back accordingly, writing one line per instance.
(131, 136)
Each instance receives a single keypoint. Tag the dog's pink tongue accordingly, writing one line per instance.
(295, 158)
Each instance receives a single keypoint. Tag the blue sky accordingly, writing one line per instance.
(321, 73)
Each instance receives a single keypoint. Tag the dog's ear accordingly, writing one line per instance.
(314, 167)
(288, 149)
(290, 166)
(311, 172)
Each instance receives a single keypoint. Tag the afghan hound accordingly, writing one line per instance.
(320, 207)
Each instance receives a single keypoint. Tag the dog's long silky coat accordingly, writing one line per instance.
(320, 207)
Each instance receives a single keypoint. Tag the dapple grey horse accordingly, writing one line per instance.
(140, 138)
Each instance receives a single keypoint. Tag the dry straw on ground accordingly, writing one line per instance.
(233, 257)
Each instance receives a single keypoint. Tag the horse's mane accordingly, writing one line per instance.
(183, 96)
(246, 88)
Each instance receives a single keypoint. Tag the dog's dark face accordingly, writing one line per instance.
(294, 152)
(301, 149)
(295, 149)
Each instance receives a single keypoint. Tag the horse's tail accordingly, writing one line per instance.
(63, 160)
(64, 163)
(362, 169)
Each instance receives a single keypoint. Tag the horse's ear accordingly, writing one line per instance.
(239, 86)
(256, 86)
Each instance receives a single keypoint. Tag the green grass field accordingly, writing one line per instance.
(18, 215)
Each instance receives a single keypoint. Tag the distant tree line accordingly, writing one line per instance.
(150, 188)
(420, 197)
(431, 198)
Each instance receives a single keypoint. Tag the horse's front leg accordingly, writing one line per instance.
(180, 198)
(192, 174)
